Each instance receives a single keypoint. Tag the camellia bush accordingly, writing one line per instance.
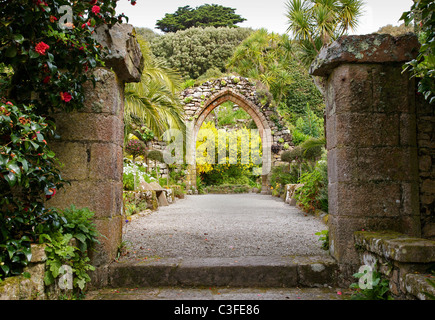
(47, 48)
(28, 177)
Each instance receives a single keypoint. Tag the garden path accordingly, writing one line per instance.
(230, 225)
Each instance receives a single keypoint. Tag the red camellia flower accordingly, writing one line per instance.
(96, 9)
(46, 79)
(41, 47)
(65, 96)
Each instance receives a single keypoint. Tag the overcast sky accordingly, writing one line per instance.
(269, 14)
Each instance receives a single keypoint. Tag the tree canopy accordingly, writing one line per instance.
(194, 51)
(203, 16)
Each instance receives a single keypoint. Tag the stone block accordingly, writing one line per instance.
(367, 199)
(125, 56)
(387, 163)
(90, 127)
(367, 129)
(101, 197)
(397, 246)
(74, 159)
(416, 285)
(365, 49)
(105, 161)
(110, 240)
(106, 96)
(408, 130)
(350, 89)
(393, 91)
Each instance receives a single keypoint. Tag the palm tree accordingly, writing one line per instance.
(265, 57)
(315, 23)
(154, 100)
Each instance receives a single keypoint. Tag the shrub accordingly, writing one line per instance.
(135, 148)
(61, 251)
(196, 50)
(314, 193)
(50, 59)
(28, 177)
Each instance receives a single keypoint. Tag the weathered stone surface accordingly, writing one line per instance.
(417, 285)
(397, 246)
(125, 56)
(372, 48)
(21, 288)
(235, 272)
(106, 96)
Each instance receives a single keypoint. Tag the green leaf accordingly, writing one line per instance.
(27, 275)
(33, 54)
(5, 268)
(11, 52)
(13, 166)
(25, 164)
(11, 179)
(81, 237)
(40, 137)
(18, 38)
(34, 145)
(48, 278)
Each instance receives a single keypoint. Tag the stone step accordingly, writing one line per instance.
(258, 271)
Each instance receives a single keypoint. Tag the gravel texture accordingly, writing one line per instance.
(233, 225)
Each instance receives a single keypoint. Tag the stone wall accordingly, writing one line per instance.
(426, 164)
(405, 261)
(27, 288)
(371, 139)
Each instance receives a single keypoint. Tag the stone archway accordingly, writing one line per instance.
(201, 100)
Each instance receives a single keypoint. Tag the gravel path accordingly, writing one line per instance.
(224, 226)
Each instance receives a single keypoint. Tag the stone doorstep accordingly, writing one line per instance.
(299, 271)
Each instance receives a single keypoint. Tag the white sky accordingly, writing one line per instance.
(269, 14)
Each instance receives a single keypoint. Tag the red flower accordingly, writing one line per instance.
(65, 96)
(96, 9)
(133, 3)
(41, 47)
(46, 79)
(52, 19)
(93, 1)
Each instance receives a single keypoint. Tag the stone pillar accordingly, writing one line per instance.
(91, 143)
(371, 139)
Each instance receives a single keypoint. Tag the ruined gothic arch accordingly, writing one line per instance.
(201, 100)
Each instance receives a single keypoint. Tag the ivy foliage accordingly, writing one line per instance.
(207, 15)
(194, 51)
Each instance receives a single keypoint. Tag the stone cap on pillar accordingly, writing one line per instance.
(124, 56)
(370, 48)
